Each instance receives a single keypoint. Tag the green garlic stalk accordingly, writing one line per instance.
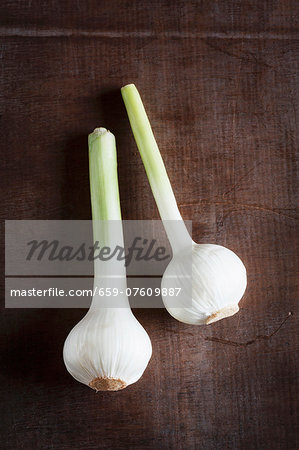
(218, 275)
(108, 349)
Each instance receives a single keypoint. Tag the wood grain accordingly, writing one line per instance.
(219, 81)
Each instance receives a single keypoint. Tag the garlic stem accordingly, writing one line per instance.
(177, 232)
(106, 213)
(104, 191)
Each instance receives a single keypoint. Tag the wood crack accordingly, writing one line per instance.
(240, 57)
(64, 32)
(240, 205)
(252, 341)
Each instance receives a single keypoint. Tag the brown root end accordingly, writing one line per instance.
(107, 384)
(222, 313)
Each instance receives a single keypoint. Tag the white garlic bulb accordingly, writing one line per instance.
(108, 349)
(218, 283)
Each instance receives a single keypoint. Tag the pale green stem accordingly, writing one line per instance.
(177, 232)
(106, 214)
(103, 175)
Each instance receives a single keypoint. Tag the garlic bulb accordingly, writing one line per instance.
(218, 275)
(108, 349)
(218, 283)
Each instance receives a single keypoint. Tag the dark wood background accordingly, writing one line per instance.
(218, 79)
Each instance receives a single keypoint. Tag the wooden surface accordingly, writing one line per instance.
(218, 79)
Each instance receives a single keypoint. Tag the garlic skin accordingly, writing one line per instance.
(218, 283)
(108, 349)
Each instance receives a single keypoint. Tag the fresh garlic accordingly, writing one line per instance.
(218, 275)
(108, 349)
(218, 283)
